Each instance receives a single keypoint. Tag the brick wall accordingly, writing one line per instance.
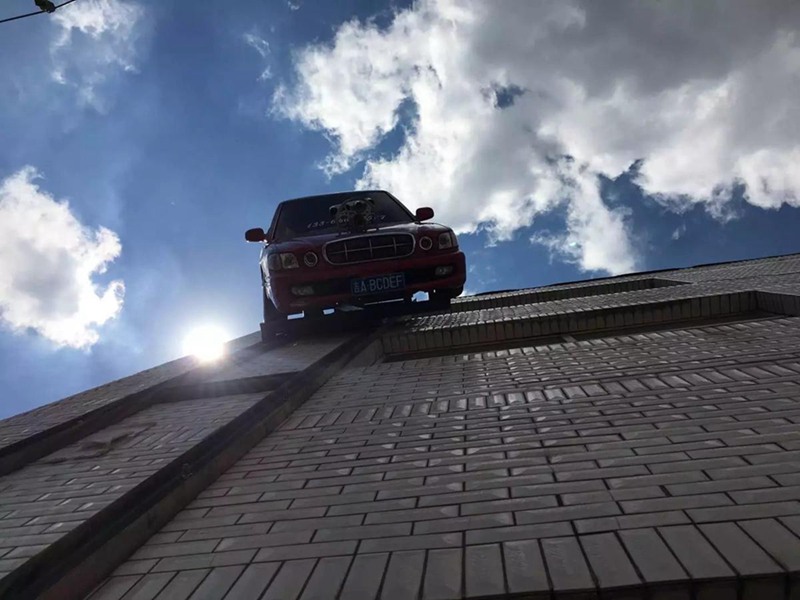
(666, 461)
(46, 500)
(36, 421)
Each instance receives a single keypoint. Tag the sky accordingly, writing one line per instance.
(562, 140)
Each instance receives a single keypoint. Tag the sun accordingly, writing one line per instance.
(206, 343)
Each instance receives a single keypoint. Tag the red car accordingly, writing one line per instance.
(354, 248)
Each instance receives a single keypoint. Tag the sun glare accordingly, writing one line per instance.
(206, 343)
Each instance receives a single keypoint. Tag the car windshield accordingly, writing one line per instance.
(311, 216)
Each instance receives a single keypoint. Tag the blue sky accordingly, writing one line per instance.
(557, 154)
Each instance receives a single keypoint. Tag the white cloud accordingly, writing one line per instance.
(94, 39)
(261, 46)
(702, 93)
(47, 261)
(678, 232)
(596, 237)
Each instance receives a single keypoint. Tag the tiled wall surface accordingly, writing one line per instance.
(22, 426)
(45, 500)
(664, 463)
(40, 419)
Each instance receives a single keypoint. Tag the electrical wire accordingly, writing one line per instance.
(38, 12)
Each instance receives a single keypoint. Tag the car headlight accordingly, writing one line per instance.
(447, 240)
(289, 261)
(310, 259)
(284, 260)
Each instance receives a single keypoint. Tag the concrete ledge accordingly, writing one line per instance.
(465, 337)
(355, 319)
(560, 293)
(212, 389)
(778, 303)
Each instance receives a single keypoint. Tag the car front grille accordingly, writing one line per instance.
(369, 247)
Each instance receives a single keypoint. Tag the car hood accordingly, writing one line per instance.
(317, 241)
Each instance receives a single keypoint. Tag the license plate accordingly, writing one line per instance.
(378, 284)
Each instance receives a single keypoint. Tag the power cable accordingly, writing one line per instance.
(39, 12)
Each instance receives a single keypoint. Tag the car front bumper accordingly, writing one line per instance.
(331, 285)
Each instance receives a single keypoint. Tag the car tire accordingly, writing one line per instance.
(442, 298)
(274, 324)
(271, 314)
(455, 292)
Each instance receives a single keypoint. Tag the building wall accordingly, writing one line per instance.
(619, 461)
(633, 437)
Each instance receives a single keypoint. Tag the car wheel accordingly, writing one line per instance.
(271, 314)
(442, 298)
(455, 292)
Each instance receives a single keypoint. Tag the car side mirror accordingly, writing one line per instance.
(255, 235)
(424, 214)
